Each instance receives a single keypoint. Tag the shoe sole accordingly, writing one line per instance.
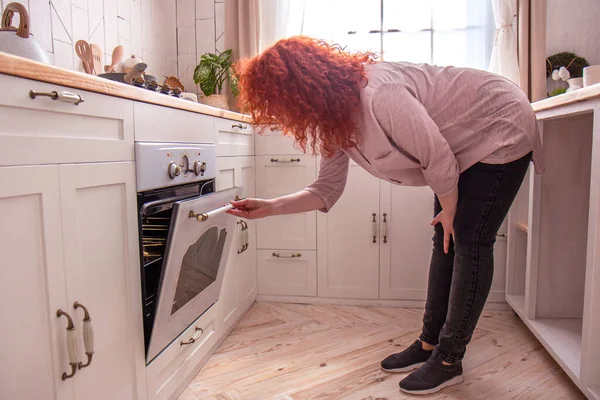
(410, 368)
(451, 382)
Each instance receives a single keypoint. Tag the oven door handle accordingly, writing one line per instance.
(201, 217)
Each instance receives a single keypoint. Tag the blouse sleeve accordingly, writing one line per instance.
(331, 181)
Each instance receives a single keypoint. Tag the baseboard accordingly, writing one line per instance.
(495, 306)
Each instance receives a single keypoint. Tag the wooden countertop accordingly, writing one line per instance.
(24, 68)
(576, 96)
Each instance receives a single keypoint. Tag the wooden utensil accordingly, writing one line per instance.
(84, 52)
(136, 71)
(117, 56)
(97, 59)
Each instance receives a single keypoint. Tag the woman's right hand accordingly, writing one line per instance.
(251, 208)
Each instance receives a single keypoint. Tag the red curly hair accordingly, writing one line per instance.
(307, 88)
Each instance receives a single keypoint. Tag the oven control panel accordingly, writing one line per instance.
(161, 165)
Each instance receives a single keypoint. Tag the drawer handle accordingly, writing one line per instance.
(279, 255)
(384, 228)
(65, 97)
(192, 340)
(291, 160)
(72, 350)
(88, 335)
(374, 228)
(240, 126)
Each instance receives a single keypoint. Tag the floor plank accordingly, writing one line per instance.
(300, 351)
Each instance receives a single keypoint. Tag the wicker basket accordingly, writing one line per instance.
(216, 100)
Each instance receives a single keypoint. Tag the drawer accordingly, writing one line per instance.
(162, 124)
(274, 143)
(236, 172)
(233, 138)
(46, 131)
(171, 367)
(286, 272)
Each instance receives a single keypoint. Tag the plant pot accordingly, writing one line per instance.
(216, 100)
(574, 84)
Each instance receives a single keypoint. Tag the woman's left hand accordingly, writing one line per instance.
(447, 221)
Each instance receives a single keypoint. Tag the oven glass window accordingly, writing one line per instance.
(199, 266)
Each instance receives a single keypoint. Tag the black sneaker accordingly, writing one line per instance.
(432, 377)
(410, 359)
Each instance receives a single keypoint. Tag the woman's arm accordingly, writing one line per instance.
(298, 202)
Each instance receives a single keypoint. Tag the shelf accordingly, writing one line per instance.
(562, 338)
(517, 302)
(522, 226)
(595, 392)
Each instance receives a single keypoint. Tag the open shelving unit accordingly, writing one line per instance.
(553, 269)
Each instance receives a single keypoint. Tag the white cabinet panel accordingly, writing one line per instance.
(277, 176)
(99, 217)
(348, 253)
(32, 286)
(236, 172)
(274, 143)
(162, 124)
(233, 138)
(406, 255)
(287, 272)
(44, 131)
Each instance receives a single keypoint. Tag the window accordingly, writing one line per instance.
(440, 32)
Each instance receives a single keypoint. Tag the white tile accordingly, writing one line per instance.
(83, 4)
(127, 46)
(186, 63)
(81, 30)
(124, 9)
(186, 40)
(147, 23)
(97, 37)
(40, 28)
(219, 19)
(111, 25)
(136, 26)
(205, 9)
(124, 29)
(95, 14)
(61, 20)
(205, 36)
(186, 13)
(63, 54)
(220, 44)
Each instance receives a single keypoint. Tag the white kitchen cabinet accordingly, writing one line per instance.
(233, 138)
(46, 131)
(274, 143)
(164, 124)
(278, 176)
(292, 273)
(348, 253)
(68, 235)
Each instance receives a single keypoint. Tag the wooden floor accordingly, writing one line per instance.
(294, 351)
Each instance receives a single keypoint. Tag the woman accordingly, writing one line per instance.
(468, 134)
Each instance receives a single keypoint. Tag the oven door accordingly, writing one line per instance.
(194, 266)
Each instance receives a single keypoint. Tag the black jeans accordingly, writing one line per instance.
(460, 281)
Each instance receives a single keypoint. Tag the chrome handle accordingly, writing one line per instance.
(374, 228)
(65, 97)
(291, 160)
(384, 229)
(88, 335)
(72, 350)
(279, 255)
(239, 126)
(204, 216)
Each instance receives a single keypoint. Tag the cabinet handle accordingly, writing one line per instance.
(65, 97)
(374, 228)
(239, 126)
(185, 343)
(291, 160)
(243, 236)
(72, 350)
(279, 255)
(502, 235)
(88, 335)
(384, 228)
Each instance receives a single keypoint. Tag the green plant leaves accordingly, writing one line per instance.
(213, 70)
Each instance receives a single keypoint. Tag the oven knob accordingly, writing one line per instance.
(174, 170)
(199, 168)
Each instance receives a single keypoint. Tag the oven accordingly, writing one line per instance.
(185, 235)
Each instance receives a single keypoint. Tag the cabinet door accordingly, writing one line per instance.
(99, 218)
(32, 286)
(246, 260)
(233, 138)
(287, 273)
(274, 143)
(406, 255)
(347, 252)
(277, 176)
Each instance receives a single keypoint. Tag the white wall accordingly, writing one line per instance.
(574, 25)
(200, 29)
(146, 28)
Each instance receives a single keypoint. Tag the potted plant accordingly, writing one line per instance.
(211, 73)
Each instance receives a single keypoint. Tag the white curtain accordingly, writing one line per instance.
(279, 19)
(504, 60)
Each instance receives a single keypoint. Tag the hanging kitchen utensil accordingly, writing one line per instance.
(97, 59)
(17, 41)
(84, 52)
